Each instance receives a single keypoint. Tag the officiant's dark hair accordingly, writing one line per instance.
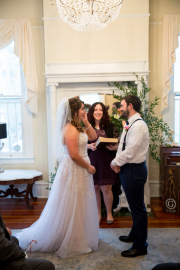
(105, 120)
(135, 101)
(75, 105)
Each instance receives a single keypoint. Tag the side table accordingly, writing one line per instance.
(12, 177)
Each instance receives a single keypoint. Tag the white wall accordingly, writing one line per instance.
(125, 39)
(33, 9)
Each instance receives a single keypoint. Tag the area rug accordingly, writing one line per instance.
(124, 212)
(164, 246)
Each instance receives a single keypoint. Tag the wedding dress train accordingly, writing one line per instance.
(69, 223)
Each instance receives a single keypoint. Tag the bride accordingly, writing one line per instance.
(69, 223)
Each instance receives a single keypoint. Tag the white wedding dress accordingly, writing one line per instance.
(69, 223)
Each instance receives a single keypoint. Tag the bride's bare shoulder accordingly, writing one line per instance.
(71, 129)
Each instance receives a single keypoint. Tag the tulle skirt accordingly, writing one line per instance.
(69, 223)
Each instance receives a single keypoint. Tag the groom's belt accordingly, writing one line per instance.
(135, 164)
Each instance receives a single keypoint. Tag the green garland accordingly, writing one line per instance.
(52, 176)
(159, 131)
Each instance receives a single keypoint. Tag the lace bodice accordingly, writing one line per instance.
(83, 138)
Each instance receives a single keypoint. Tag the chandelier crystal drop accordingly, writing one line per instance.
(88, 15)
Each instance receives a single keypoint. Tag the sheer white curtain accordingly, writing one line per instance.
(171, 30)
(20, 31)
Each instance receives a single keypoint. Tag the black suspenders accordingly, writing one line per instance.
(124, 142)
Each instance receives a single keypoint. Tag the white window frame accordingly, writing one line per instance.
(177, 118)
(168, 113)
(27, 155)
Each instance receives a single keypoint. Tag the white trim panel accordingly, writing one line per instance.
(17, 160)
(95, 72)
(120, 16)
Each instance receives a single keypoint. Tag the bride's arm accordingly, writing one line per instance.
(89, 129)
(72, 143)
(91, 133)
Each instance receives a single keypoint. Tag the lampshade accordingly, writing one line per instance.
(3, 131)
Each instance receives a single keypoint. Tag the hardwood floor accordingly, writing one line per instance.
(16, 215)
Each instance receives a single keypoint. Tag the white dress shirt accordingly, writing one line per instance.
(137, 143)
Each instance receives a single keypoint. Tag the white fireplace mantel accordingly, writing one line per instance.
(73, 79)
(95, 72)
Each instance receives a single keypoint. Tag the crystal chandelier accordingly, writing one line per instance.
(88, 15)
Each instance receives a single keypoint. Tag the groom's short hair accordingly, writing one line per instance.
(134, 100)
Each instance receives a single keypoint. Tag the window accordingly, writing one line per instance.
(10, 100)
(13, 110)
(177, 96)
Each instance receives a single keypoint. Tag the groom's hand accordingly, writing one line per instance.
(116, 169)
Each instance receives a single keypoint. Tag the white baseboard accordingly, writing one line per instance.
(155, 188)
(40, 191)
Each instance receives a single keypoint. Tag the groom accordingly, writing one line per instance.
(12, 256)
(130, 163)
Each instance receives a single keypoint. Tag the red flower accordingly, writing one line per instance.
(119, 111)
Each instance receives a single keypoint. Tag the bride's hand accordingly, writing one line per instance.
(84, 119)
(91, 169)
(92, 146)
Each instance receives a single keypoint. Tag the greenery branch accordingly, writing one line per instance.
(52, 177)
(159, 131)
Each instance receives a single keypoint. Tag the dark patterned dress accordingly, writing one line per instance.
(101, 159)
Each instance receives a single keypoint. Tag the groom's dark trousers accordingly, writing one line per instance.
(133, 178)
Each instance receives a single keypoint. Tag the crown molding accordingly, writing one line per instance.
(120, 16)
(95, 72)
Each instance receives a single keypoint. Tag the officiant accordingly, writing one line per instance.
(101, 158)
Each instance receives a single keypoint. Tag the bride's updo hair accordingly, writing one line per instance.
(75, 105)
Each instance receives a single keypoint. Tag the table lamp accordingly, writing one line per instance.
(3, 135)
